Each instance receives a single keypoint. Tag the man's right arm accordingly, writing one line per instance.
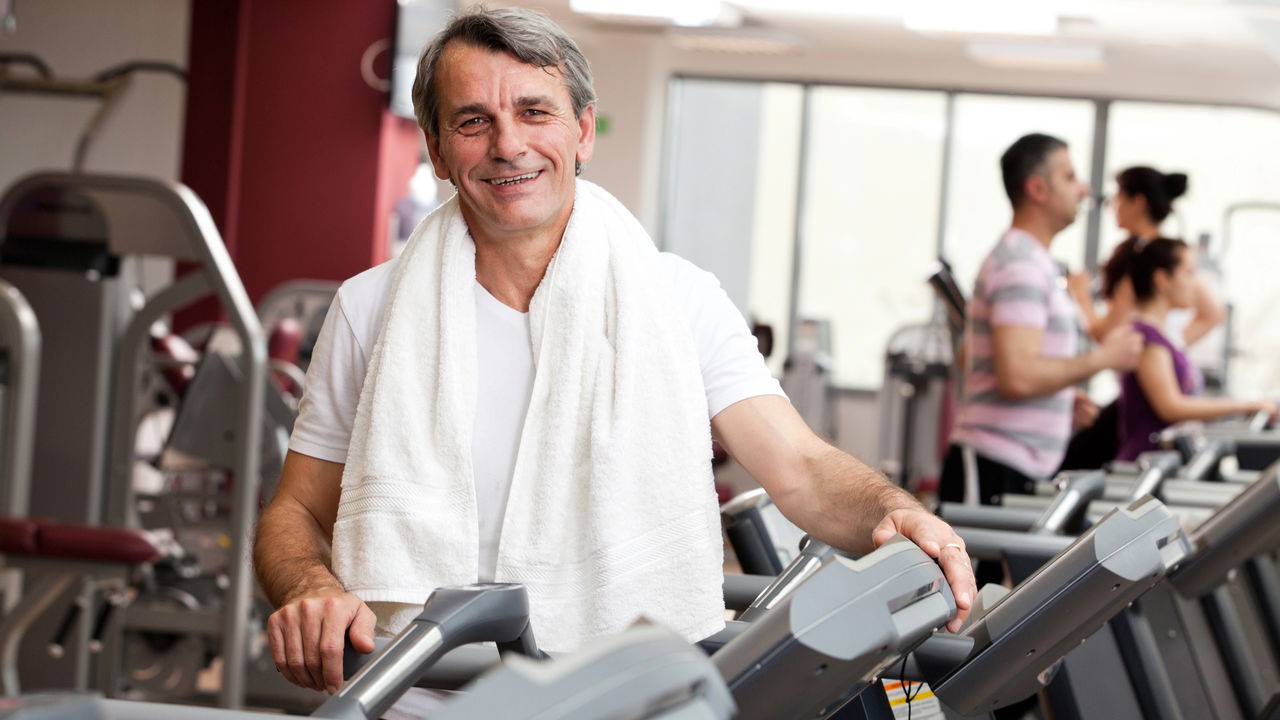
(291, 556)
(1022, 372)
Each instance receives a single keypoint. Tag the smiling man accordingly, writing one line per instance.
(528, 394)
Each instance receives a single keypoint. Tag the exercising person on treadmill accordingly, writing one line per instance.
(1019, 402)
(529, 392)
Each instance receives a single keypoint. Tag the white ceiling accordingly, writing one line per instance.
(1211, 50)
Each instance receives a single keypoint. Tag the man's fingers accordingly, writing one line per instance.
(885, 530)
(312, 624)
(333, 639)
(295, 668)
(276, 638)
(959, 573)
(939, 541)
(361, 631)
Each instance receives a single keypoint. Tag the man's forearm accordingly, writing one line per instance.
(846, 499)
(1043, 376)
(291, 554)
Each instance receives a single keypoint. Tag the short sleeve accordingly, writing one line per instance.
(335, 376)
(1018, 294)
(728, 354)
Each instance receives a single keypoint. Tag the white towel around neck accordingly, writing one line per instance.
(612, 514)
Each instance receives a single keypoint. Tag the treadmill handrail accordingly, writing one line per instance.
(1015, 644)
(1243, 528)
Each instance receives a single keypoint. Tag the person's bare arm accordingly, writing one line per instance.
(1209, 313)
(1159, 384)
(1022, 372)
(1120, 307)
(291, 557)
(1079, 288)
(832, 495)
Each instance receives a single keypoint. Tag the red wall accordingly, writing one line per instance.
(296, 156)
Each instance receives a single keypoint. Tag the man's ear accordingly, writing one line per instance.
(586, 134)
(1036, 188)
(437, 160)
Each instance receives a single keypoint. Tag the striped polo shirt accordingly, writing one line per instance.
(1019, 284)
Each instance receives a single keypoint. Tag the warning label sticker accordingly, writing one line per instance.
(912, 699)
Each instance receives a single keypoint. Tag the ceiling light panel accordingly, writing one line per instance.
(688, 13)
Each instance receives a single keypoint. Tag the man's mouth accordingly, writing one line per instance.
(514, 179)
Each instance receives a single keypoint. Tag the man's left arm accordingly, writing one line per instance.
(833, 496)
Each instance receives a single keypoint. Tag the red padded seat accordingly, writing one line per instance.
(86, 542)
(18, 535)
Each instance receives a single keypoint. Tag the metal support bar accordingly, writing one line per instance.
(20, 336)
(944, 194)
(15, 624)
(797, 247)
(1229, 633)
(1097, 178)
(1266, 589)
(133, 347)
(1150, 677)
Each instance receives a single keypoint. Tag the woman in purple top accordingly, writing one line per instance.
(1163, 389)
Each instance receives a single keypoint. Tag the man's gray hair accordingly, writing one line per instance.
(526, 35)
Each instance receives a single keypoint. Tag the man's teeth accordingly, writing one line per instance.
(517, 178)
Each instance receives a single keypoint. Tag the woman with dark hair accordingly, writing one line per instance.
(1162, 389)
(1144, 198)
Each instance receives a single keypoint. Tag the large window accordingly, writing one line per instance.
(874, 166)
(870, 201)
(1226, 154)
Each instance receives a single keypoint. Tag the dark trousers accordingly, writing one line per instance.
(1095, 446)
(994, 479)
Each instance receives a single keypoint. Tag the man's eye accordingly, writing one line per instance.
(535, 111)
(471, 122)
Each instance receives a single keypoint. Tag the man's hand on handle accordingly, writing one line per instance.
(939, 541)
(308, 635)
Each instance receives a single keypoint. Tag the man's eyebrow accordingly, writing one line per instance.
(472, 109)
(535, 100)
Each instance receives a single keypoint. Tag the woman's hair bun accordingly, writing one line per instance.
(1175, 184)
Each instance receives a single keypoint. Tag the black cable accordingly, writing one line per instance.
(140, 65)
(907, 695)
(902, 681)
(27, 59)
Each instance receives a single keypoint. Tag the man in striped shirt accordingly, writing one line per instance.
(1016, 413)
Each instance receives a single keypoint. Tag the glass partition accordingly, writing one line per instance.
(870, 226)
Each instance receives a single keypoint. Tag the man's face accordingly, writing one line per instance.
(508, 140)
(1064, 191)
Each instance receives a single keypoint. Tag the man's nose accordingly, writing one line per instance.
(508, 141)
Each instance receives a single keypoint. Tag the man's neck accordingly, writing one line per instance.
(511, 268)
(1036, 225)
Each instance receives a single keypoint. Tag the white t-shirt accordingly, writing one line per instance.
(732, 370)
